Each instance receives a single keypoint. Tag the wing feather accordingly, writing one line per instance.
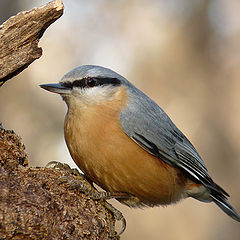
(150, 127)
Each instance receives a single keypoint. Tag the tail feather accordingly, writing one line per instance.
(225, 206)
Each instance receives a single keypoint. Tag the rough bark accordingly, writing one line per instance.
(34, 204)
(19, 37)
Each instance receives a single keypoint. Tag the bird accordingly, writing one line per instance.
(125, 143)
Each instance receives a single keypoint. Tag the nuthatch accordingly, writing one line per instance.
(125, 143)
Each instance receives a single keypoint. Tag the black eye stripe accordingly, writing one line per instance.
(85, 82)
(67, 84)
(79, 83)
(112, 81)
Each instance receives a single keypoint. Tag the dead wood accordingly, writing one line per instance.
(19, 37)
(33, 204)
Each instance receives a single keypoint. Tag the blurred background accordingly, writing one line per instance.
(184, 54)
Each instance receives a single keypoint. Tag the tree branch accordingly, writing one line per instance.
(19, 37)
(33, 205)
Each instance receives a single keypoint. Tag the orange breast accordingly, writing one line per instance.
(111, 159)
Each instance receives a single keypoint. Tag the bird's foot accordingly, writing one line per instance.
(65, 167)
(94, 194)
(83, 185)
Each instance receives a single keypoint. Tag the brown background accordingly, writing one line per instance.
(184, 54)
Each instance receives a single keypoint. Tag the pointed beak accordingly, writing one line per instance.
(56, 88)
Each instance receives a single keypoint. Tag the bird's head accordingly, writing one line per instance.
(87, 84)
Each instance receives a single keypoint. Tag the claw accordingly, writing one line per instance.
(117, 215)
(124, 224)
(86, 187)
(63, 166)
(51, 163)
(56, 164)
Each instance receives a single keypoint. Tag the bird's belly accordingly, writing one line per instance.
(117, 164)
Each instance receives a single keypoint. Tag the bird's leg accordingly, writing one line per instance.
(83, 185)
(102, 196)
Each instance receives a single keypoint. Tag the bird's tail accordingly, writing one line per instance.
(222, 202)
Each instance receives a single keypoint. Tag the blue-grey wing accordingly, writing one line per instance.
(150, 127)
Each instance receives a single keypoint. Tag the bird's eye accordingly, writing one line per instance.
(91, 82)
